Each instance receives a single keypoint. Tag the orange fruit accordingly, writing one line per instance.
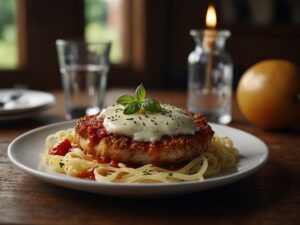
(268, 94)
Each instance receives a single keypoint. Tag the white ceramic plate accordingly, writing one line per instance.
(25, 152)
(29, 102)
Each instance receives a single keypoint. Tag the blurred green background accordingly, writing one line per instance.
(8, 34)
(97, 28)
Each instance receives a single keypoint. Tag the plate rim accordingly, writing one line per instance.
(228, 178)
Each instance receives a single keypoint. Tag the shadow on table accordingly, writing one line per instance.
(258, 192)
(252, 193)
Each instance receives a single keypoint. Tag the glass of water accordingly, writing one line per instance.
(83, 67)
(210, 76)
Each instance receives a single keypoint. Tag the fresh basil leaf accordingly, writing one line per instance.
(132, 108)
(140, 93)
(134, 104)
(125, 99)
(151, 105)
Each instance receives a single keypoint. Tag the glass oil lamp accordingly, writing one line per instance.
(210, 72)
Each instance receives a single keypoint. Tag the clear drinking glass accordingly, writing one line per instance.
(83, 67)
(210, 76)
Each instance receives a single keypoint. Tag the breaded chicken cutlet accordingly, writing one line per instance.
(172, 136)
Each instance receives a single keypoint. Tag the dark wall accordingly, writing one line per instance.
(255, 36)
(161, 38)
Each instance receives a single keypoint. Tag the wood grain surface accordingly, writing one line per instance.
(269, 196)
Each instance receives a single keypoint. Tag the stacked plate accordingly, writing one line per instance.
(15, 105)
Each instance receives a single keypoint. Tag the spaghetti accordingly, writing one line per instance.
(76, 163)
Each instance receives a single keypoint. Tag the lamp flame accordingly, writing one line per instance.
(211, 17)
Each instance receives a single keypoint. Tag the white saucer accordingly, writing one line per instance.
(27, 105)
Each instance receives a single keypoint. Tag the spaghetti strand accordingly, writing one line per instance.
(221, 155)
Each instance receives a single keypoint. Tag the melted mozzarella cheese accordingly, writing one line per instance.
(148, 126)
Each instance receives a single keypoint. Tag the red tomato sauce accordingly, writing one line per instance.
(87, 174)
(61, 148)
(114, 163)
(91, 127)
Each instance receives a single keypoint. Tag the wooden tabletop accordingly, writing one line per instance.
(269, 196)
